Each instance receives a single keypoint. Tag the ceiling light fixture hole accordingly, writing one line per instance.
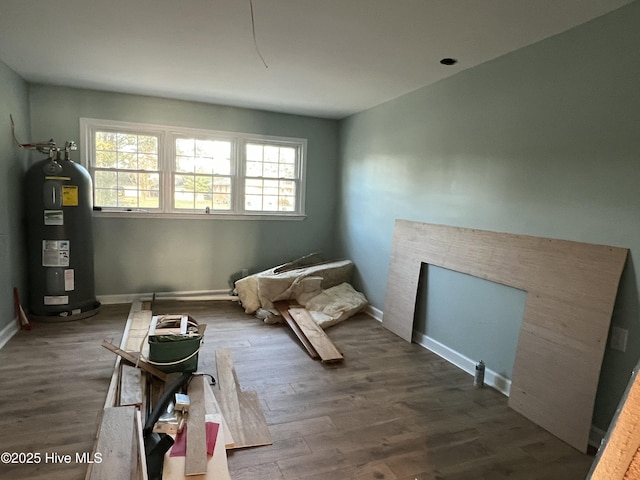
(448, 61)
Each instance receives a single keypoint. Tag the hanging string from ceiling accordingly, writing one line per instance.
(253, 31)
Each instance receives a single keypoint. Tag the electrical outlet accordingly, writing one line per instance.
(618, 339)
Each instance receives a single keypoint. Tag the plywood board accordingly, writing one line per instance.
(571, 289)
(316, 336)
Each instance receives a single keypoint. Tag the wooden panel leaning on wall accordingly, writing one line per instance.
(571, 288)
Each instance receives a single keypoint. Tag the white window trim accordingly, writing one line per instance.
(166, 156)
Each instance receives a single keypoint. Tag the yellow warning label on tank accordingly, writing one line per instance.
(69, 195)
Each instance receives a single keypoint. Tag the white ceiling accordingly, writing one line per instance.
(326, 58)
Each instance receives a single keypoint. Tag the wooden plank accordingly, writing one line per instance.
(217, 468)
(241, 410)
(142, 458)
(136, 340)
(213, 408)
(130, 385)
(283, 308)
(571, 288)
(133, 359)
(117, 445)
(196, 457)
(316, 336)
(112, 391)
(227, 395)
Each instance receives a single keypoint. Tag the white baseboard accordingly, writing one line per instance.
(193, 295)
(7, 332)
(491, 378)
(596, 436)
(373, 312)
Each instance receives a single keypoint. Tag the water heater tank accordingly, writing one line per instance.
(60, 239)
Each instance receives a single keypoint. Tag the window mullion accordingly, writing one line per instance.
(239, 174)
(168, 165)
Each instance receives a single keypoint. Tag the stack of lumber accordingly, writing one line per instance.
(224, 417)
(311, 336)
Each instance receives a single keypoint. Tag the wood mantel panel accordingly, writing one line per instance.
(571, 289)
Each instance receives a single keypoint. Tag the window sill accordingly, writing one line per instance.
(136, 213)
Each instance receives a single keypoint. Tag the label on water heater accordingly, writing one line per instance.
(56, 300)
(53, 217)
(69, 281)
(69, 195)
(55, 253)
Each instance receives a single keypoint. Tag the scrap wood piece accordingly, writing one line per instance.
(283, 307)
(196, 456)
(217, 468)
(130, 385)
(302, 262)
(213, 408)
(142, 456)
(135, 360)
(117, 444)
(318, 338)
(138, 330)
(241, 410)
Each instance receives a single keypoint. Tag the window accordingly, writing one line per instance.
(161, 170)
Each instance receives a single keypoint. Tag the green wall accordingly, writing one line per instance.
(14, 101)
(142, 255)
(544, 141)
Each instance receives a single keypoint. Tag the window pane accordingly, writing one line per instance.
(221, 193)
(184, 164)
(185, 146)
(287, 155)
(148, 161)
(254, 152)
(254, 169)
(127, 142)
(106, 141)
(128, 161)
(105, 179)
(148, 144)
(271, 170)
(106, 159)
(106, 197)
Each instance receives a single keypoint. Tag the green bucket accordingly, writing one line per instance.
(174, 353)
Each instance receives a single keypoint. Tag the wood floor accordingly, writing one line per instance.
(392, 410)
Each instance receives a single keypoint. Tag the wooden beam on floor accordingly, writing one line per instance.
(283, 308)
(316, 336)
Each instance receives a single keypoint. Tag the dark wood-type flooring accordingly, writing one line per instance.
(392, 410)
